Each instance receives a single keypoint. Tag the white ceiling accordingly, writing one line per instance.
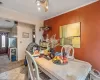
(6, 24)
(56, 7)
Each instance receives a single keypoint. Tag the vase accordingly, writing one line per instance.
(52, 54)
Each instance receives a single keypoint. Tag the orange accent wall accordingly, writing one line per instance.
(89, 16)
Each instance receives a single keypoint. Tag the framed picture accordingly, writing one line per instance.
(70, 34)
(25, 35)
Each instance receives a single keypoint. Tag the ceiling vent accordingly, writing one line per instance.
(16, 22)
(1, 3)
(7, 20)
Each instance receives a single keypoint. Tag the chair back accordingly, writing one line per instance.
(32, 67)
(69, 50)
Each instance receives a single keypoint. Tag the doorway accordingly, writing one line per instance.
(3, 43)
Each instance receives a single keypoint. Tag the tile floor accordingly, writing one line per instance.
(14, 70)
(19, 73)
(6, 64)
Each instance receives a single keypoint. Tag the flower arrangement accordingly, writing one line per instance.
(53, 42)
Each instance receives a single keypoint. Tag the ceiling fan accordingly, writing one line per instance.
(43, 4)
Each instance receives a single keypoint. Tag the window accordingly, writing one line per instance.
(3, 41)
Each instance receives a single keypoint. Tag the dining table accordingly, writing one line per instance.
(73, 70)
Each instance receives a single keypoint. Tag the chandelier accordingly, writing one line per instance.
(42, 4)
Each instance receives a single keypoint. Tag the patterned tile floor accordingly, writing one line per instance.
(14, 70)
(19, 73)
(6, 64)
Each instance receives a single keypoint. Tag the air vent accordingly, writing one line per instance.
(16, 22)
(1, 3)
(7, 20)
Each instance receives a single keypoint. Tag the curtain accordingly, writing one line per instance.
(4, 49)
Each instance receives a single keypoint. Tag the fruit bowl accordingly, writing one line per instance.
(60, 60)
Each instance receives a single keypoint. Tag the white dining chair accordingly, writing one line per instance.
(33, 72)
(69, 50)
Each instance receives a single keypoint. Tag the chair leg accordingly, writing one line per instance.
(28, 75)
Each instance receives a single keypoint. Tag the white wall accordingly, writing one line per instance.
(23, 42)
(14, 31)
(13, 15)
(38, 33)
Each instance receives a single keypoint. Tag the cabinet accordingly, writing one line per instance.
(12, 54)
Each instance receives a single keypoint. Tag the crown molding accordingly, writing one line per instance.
(73, 9)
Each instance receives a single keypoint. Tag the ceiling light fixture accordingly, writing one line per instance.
(42, 4)
(38, 3)
(39, 8)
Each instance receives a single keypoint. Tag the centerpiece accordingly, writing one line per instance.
(52, 43)
(56, 57)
